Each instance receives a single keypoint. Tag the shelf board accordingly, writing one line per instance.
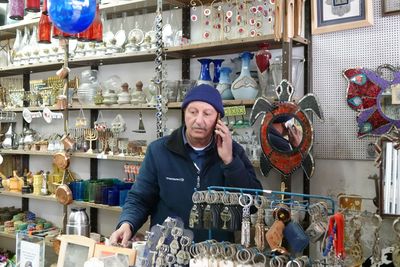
(227, 103)
(31, 196)
(74, 155)
(30, 109)
(97, 206)
(227, 46)
(14, 236)
(110, 157)
(77, 106)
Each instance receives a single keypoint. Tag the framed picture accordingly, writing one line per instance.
(30, 250)
(75, 250)
(390, 7)
(338, 15)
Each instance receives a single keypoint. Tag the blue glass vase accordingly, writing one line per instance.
(224, 85)
(245, 87)
(217, 68)
(205, 77)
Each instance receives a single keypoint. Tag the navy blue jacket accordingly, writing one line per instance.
(167, 179)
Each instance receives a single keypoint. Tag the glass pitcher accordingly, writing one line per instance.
(297, 70)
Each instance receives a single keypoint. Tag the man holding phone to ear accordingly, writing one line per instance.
(199, 154)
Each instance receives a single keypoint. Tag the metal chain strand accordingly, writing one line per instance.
(159, 72)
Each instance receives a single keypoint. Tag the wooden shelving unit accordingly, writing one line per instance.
(97, 206)
(189, 51)
(75, 155)
(30, 196)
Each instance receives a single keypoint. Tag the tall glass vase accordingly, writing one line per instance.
(217, 67)
(205, 77)
(264, 73)
(224, 85)
(245, 87)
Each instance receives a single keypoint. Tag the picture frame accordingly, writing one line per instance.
(338, 15)
(390, 7)
(75, 250)
(101, 251)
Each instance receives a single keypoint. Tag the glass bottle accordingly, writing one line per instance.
(44, 32)
(44, 8)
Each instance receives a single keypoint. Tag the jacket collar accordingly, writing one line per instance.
(176, 143)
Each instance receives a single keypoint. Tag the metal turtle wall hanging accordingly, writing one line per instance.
(285, 159)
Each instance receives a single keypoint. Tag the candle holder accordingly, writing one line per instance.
(90, 135)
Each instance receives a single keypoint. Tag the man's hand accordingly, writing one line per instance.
(295, 136)
(121, 235)
(224, 142)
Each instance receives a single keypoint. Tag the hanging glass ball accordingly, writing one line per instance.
(72, 16)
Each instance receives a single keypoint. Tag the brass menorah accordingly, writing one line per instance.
(90, 135)
(104, 139)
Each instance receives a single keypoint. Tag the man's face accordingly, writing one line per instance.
(200, 119)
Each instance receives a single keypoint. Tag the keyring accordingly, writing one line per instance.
(259, 255)
(259, 201)
(292, 262)
(245, 200)
(170, 259)
(243, 256)
(376, 221)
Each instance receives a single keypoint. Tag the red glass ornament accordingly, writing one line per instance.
(97, 27)
(44, 29)
(57, 33)
(16, 9)
(262, 57)
(32, 5)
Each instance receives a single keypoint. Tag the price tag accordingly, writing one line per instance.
(235, 111)
(102, 156)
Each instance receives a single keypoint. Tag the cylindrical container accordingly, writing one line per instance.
(113, 196)
(32, 5)
(37, 183)
(16, 9)
(78, 222)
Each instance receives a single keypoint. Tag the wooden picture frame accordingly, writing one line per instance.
(104, 251)
(75, 250)
(340, 15)
(390, 7)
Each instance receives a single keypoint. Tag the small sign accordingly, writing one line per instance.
(235, 111)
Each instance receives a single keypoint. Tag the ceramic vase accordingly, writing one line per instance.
(205, 77)
(263, 57)
(224, 85)
(217, 69)
(245, 87)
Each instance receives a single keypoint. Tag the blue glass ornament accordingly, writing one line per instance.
(205, 77)
(217, 67)
(72, 16)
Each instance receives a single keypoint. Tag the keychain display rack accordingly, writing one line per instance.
(283, 197)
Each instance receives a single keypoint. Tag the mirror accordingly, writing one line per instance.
(280, 149)
(285, 133)
(375, 95)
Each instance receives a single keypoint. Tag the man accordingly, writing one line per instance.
(197, 155)
(281, 128)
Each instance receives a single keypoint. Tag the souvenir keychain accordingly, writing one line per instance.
(245, 200)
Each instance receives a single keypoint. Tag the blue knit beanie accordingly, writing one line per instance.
(205, 93)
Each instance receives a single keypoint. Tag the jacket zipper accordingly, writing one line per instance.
(198, 175)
